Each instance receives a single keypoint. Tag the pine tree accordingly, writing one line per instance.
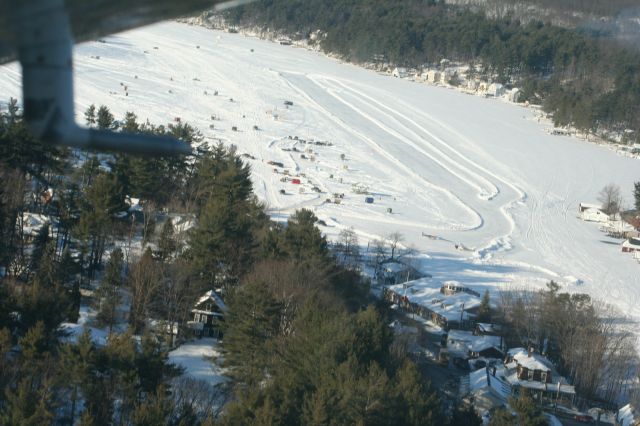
(254, 318)
(105, 119)
(154, 411)
(484, 311)
(6, 364)
(636, 195)
(40, 245)
(465, 415)
(527, 412)
(76, 362)
(25, 406)
(167, 243)
(416, 403)
(90, 115)
(304, 239)
(108, 295)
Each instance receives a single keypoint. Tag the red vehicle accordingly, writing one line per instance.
(295, 181)
(584, 418)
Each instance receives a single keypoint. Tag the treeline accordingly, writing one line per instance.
(589, 342)
(585, 81)
(594, 8)
(304, 341)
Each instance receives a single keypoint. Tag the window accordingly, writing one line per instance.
(543, 377)
(530, 374)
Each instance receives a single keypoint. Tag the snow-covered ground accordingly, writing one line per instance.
(198, 357)
(479, 173)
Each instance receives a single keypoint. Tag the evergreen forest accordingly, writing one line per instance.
(304, 341)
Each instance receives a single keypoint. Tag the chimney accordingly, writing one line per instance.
(530, 351)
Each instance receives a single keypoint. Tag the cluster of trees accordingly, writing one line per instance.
(588, 341)
(305, 345)
(44, 376)
(304, 341)
(586, 81)
(591, 7)
(612, 201)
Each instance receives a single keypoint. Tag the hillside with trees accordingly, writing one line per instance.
(305, 342)
(584, 80)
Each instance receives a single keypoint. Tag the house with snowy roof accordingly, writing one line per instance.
(491, 386)
(424, 297)
(208, 315)
(527, 369)
(486, 329)
(626, 416)
(496, 90)
(485, 389)
(32, 223)
(529, 365)
(399, 72)
(465, 344)
(631, 245)
(594, 214)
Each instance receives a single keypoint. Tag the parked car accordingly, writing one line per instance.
(584, 418)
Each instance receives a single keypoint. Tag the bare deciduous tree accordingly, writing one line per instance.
(348, 246)
(144, 280)
(395, 239)
(611, 199)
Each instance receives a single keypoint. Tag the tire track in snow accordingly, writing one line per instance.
(491, 189)
(500, 243)
(479, 221)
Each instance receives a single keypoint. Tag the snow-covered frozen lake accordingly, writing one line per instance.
(472, 171)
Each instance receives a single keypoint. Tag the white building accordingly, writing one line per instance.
(593, 214)
(496, 90)
(627, 416)
(433, 76)
(514, 95)
(399, 72)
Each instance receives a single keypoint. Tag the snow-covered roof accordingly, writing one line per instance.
(489, 328)
(632, 243)
(531, 362)
(461, 342)
(482, 379)
(593, 210)
(394, 267)
(133, 203)
(32, 223)
(212, 295)
(482, 343)
(626, 415)
(427, 293)
(590, 206)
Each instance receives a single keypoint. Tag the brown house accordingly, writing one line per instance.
(530, 366)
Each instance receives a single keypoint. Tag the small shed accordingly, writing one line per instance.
(594, 215)
(399, 72)
(631, 245)
(514, 95)
(368, 200)
(433, 76)
(496, 90)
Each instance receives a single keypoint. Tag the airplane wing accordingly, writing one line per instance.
(91, 19)
(41, 33)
